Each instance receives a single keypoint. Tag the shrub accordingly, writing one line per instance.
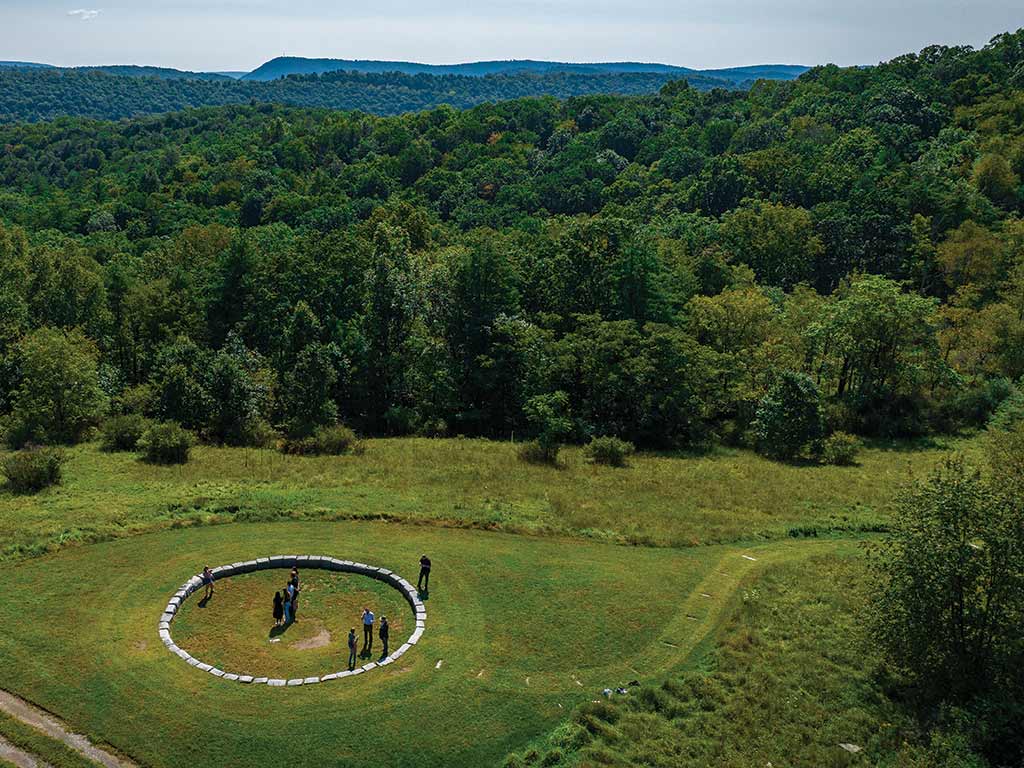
(549, 416)
(1010, 412)
(166, 443)
(609, 451)
(841, 449)
(122, 433)
(789, 417)
(33, 469)
(259, 434)
(535, 452)
(336, 440)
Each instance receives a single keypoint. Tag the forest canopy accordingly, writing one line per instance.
(669, 269)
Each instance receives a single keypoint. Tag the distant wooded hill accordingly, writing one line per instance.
(43, 94)
(291, 65)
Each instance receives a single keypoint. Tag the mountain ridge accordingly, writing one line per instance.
(282, 66)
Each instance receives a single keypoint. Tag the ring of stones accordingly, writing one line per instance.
(288, 561)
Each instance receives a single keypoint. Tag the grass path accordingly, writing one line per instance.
(32, 716)
(526, 629)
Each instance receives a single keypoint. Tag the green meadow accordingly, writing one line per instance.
(659, 500)
(543, 592)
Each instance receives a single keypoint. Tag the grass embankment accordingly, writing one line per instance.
(724, 496)
(525, 628)
(40, 745)
(790, 681)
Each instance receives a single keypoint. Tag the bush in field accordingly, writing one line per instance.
(166, 443)
(1010, 412)
(610, 451)
(122, 433)
(789, 417)
(841, 449)
(336, 440)
(549, 416)
(33, 469)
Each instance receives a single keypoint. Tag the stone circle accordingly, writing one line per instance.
(288, 561)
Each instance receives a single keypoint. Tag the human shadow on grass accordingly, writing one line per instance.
(202, 603)
(278, 630)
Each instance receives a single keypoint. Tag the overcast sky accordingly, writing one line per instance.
(241, 34)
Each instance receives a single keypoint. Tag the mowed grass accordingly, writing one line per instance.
(793, 676)
(520, 631)
(659, 500)
(234, 630)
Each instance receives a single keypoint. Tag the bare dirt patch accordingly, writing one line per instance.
(320, 640)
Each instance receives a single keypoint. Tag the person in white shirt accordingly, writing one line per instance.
(367, 631)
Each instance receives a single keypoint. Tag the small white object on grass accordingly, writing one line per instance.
(439, 663)
(704, 594)
(748, 557)
(275, 639)
(851, 748)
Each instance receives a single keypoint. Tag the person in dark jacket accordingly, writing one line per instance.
(278, 609)
(423, 585)
(383, 631)
(352, 644)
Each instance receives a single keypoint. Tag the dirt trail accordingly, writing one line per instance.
(31, 715)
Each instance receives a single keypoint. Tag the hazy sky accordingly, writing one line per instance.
(240, 34)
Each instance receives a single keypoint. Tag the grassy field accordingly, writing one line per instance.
(549, 585)
(721, 497)
(525, 628)
(790, 681)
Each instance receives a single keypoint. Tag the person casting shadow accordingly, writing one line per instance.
(278, 609)
(383, 632)
(352, 643)
(367, 632)
(423, 583)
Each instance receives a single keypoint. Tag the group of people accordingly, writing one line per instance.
(383, 631)
(286, 607)
(286, 603)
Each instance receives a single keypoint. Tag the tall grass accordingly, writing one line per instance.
(659, 500)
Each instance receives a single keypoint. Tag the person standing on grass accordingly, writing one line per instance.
(423, 585)
(208, 582)
(367, 630)
(384, 630)
(352, 648)
(287, 605)
(293, 585)
(278, 609)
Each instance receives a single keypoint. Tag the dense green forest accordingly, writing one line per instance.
(671, 269)
(112, 93)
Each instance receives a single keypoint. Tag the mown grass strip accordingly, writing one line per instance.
(39, 744)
